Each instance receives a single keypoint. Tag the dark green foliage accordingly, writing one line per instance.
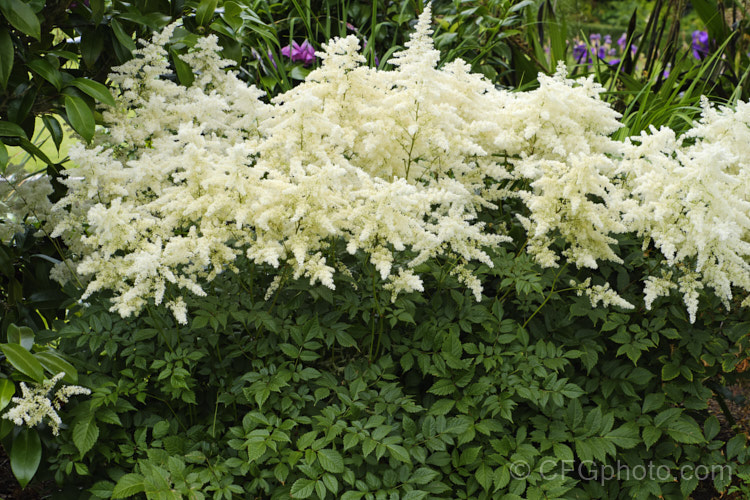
(529, 393)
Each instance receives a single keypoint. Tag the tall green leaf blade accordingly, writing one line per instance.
(22, 17)
(23, 361)
(25, 455)
(80, 116)
(708, 11)
(6, 57)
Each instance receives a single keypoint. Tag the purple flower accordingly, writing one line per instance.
(595, 38)
(580, 52)
(607, 40)
(601, 53)
(613, 62)
(304, 53)
(622, 41)
(699, 45)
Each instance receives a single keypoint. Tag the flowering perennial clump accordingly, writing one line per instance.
(35, 403)
(397, 164)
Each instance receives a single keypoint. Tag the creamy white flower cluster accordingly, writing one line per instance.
(690, 197)
(23, 199)
(183, 180)
(35, 403)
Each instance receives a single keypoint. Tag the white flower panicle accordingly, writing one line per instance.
(692, 202)
(36, 404)
(23, 199)
(183, 180)
(600, 293)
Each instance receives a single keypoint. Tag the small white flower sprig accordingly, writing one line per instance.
(36, 404)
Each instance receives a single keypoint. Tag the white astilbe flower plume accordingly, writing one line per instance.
(397, 165)
(37, 403)
(693, 203)
(185, 179)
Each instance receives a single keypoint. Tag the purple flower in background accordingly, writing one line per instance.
(601, 53)
(622, 41)
(595, 38)
(304, 53)
(579, 52)
(700, 44)
(607, 40)
(613, 62)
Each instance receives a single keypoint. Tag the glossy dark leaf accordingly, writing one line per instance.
(44, 68)
(6, 57)
(25, 455)
(8, 129)
(205, 12)
(80, 116)
(94, 89)
(23, 361)
(22, 17)
(54, 129)
(125, 39)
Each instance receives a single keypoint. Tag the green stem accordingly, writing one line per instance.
(549, 295)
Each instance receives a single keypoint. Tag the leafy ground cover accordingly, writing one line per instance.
(466, 291)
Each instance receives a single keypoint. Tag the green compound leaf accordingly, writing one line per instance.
(128, 485)
(303, 488)
(331, 461)
(85, 434)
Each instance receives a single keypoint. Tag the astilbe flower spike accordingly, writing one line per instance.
(396, 165)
